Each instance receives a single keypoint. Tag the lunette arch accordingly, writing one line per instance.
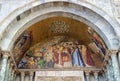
(79, 11)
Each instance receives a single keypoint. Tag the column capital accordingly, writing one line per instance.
(22, 73)
(11, 64)
(87, 72)
(96, 73)
(31, 73)
(6, 54)
(112, 52)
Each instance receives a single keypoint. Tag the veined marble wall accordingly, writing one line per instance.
(59, 76)
(103, 4)
(9, 5)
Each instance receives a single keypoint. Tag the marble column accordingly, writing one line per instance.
(10, 72)
(108, 73)
(115, 64)
(87, 73)
(105, 75)
(0, 53)
(22, 76)
(7, 70)
(119, 59)
(96, 75)
(31, 75)
(12, 75)
(4, 65)
(111, 70)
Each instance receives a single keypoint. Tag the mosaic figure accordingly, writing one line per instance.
(96, 39)
(60, 55)
(87, 56)
(31, 63)
(49, 58)
(77, 59)
(22, 63)
(41, 62)
(22, 45)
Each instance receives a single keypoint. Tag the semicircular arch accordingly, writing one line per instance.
(72, 10)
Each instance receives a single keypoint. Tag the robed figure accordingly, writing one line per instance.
(89, 59)
(77, 59)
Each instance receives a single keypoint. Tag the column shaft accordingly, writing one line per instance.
(22, 76)
(111, 71)
(115, 67)
(9, 78)
(96, 76)
(108, 74)
(12, 76)
(4, 66)
(7, 71)
(31, 76)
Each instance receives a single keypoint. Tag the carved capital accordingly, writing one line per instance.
(112, 52)
(5, 54)
(11, 64)
(96, 73)
(31, 73)
(87, 73)
(22, 73)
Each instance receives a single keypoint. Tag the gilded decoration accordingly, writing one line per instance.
(59, 27)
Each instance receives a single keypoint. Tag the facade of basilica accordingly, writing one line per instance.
(60, 40)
